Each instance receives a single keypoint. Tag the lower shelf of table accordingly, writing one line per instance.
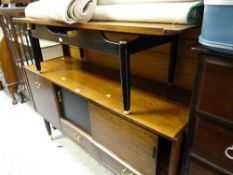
(152, 105)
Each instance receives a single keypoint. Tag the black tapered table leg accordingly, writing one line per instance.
(172, 60)
(65, 50)
(81, 51)
(36, 50)
(125, 75)
(48, 128)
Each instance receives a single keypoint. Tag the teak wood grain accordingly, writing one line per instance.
(131, 143)
(125, 27)
(157, 114)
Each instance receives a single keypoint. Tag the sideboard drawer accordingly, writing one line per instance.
(216, 95)
(44, 98)
(131, 143)
(201, 169)
(116, 165)
(80, 137)
(214, 143)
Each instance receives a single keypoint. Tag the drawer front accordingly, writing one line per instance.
(214, 143)
(117, 166)
(44, 98)
(131, 143)
(201, 169)
(80, 137)
(216, 94)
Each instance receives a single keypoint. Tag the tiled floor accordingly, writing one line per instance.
(25, 148)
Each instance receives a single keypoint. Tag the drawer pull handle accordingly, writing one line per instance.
(77, 137)
(125, 172)
(227, 152)
(37, 85)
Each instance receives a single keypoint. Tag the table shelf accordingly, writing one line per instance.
(152, 105)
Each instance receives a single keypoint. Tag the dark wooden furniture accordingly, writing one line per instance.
(210, 133)
(146, 141)
(90, 36)
(7, 70)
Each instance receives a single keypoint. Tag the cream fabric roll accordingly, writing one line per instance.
(68, 11)
(182, 13)
(109, 2)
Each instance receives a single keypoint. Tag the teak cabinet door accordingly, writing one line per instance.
(44, 98)
(131, 143)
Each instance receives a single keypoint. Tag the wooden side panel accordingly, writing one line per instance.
(131, 143)
(44, 98)
(211, 141)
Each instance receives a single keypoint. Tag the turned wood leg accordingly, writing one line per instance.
(48, 128)
(125, 75)
(11, 91)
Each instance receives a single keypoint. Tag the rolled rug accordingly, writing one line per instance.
(68, 11)
(181, 13)
(111, 2)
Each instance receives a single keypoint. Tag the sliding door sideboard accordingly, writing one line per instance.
(88, 103)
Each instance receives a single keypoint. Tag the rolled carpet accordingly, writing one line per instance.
(111, 2)
(68, 11)
(181, 13)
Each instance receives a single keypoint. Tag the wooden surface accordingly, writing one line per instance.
(216, 94)
(80, 137)
(15, 1)
(125, 27)
(130, 142)
(206, 136)
(156, 113)
(14, 11)
(44, 98)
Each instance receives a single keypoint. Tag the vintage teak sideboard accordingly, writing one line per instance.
(133, 125)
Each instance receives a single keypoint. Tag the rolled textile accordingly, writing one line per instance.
(68, 11)
(111, 2)
(182, 13)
